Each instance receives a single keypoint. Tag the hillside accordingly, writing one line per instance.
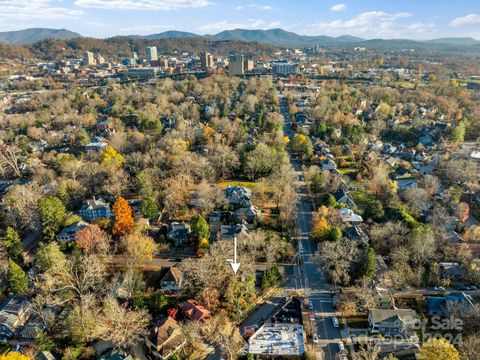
(29, 36)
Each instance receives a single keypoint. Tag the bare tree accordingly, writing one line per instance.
(10, 160)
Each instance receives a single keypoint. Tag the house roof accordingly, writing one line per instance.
(71, 230)
(93, 204)
(391, 315)
(164, 329)
(173, 274)
(195, 311)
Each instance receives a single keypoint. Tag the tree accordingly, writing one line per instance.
(123, 217)
(124, 328)
(320, 228)
(368, 265)
(139, 247)
(462, 211)
(17, 280)
(438, 349)
(470, 347)
(374, 210)
(200, 228)
(422, 244)
(10, 160)
(51, 211)
(12, 243)
(21, 206)
(271, 277)
(458, 132)
(337, 258)
(150, 208)
(91, 238)
(49, 257)
(302, 145)
(13, 355)
(112, 157)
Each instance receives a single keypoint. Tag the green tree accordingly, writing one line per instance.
(13, 244)
(17, 280)
(458, 132)
(368, 265)
(271, 277)
(334, 234)
(317, 183)
(49, 257)
(331, 202)
(200, 228)
(158, 301)
(374, 210)
(150, 208)
(51, 211)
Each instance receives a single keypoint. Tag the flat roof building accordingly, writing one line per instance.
(277, 340)
(236, 65)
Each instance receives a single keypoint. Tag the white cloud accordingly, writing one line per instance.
(250, 24)
(256, 6)
(466, 20)
(338, 7)
(143, 4)
(35, 9)
(370, 24)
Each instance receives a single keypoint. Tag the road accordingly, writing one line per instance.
(308, 273)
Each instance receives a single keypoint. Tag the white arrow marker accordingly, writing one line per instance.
(234, 264)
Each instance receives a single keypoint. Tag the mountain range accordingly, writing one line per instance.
(276, 37)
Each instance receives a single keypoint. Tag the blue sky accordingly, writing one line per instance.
(415, 19)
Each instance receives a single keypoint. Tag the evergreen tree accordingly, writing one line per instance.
(200, 228)
(368, 266)
(13, 244)
(51, 211)
(17, 280)
(271, 277)
(150, 208)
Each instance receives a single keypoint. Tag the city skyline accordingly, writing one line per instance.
(370, 19)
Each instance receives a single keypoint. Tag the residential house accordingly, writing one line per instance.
(250, 214)
(95, 147)
(172, 280)
(114, 354)
(178, 232)
(68, 234)
(164, 340)
(443, 305)
(349, 216)
(328, 164)
(95, 209)
(341, 196)
(406, 184)
(356, 233)
(238, 196)
(451, 270)
(13, 313)
(32, 328)
(426, 140)
(193, 310)
(391, 321)
(228, 232)
(382, 298)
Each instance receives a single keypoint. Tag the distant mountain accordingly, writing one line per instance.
(467, 41)
(280, 37)
(29, 36)
(172, 35)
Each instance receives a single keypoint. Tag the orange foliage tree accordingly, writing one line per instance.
(91, 237)
(123, 217)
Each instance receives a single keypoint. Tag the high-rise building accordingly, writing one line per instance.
(100, 59)
(248, 65)
(236, 65)
(284, 68)
(152, 55)
(206, 60)
(88, 58)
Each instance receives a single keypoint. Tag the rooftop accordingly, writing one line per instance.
(278, 339)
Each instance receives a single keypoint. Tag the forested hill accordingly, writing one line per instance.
(120, 47)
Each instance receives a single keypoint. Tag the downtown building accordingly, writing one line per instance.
(152, 55)
(236, 65)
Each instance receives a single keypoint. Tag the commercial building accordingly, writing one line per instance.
(88, 58)
(277, 340)
(152, 55)
(284, 68)
(141, 72)
(206, 60)
(248, 65)
(236, 65)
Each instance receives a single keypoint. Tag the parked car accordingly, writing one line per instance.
(315, 338)
(439, 288)
(471, 287)
(335, 321)
(310, 306)
(341, 347)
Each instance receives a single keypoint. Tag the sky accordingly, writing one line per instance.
(412, 19)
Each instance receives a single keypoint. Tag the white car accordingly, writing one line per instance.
(315, 338)
(439, 288)
(341, 347)
(335, 321)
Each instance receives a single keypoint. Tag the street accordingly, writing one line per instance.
(308, 270)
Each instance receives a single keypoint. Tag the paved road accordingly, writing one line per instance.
(310, 276)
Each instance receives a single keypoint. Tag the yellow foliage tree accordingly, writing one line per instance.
(208, 132)
(320, 228)
(111, 156)
(286, 139)
(12, 355)
(438, 349)
(140, 248)
(123, 217)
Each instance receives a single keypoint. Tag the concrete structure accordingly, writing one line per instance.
(143, 72)
(284, 68)
(88, 58)
(236, 65)
(152, 55)
(277, 340)
(206, 60)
